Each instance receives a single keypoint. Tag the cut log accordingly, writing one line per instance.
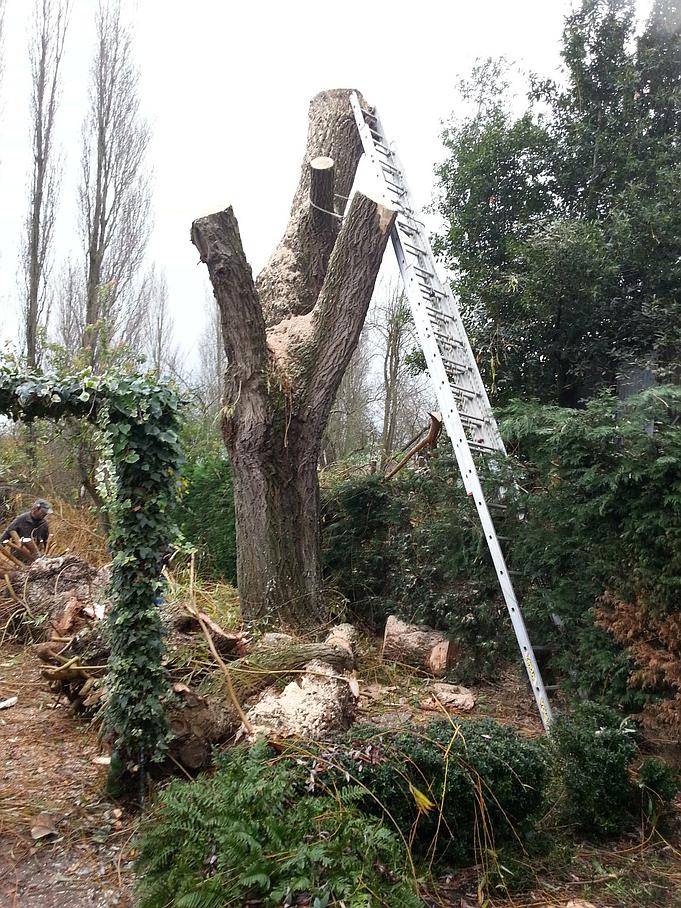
(21, 549)
(6, 553)
(420, 647)
(321, 703)
(267, 665)
(197, 725)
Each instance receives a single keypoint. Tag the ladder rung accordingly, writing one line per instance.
(415, 249)
(475, 420)
(462, 390)
(380, 146)
(438, 313)
(407, 213)
(368, 113)
(486, 449)
(448, 340)
(427, 288)
(390, 169)
(424, 271)
(458, 367)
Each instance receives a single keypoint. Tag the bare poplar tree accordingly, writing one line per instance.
(46, 47)
(210, 379)
(114, 193)
(158, 342)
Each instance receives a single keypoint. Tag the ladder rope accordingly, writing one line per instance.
(326, 211)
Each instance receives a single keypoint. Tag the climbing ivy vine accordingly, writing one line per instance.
(141, 422)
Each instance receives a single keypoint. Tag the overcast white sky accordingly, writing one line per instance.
(226, 86)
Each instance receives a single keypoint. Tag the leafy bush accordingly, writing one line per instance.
(593, 749)
(449, 788)
(247, 833)
(603, 512)
(206, 514)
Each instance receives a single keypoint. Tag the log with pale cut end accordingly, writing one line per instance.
(322, 214)
(315, 706)
(417, 646)
(267, 665)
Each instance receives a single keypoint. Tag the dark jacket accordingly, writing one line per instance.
(28, 526)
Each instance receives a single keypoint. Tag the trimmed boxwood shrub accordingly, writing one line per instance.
(593, 749)
(449, 787)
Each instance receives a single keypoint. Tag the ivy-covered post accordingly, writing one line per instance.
(142, 422)
(143, 429)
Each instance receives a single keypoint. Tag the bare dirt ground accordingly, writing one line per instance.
(50, 787)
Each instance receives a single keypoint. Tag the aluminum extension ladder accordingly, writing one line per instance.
(454, 374)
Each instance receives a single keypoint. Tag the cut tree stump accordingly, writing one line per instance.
(420, 647)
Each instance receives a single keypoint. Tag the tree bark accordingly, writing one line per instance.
(288, 338)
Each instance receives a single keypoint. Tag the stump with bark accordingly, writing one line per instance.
(289, 337)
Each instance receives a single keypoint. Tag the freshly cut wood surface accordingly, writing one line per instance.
(421, 647)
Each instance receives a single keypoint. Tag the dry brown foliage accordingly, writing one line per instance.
(653, 639)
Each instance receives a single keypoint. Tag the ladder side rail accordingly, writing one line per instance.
(461, 334)
(472, 484)
(450, 413)
(481, 400)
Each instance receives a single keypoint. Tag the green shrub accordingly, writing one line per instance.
(593, 748)
(482, 783)
(246, 833)
(206, 514)
(658, 784)
(603, 512)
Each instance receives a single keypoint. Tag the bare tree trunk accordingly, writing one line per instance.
(45, 53)
(288, 341)
(155, 329)
(392, 322)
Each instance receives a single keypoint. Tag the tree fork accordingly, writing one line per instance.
(289, 337)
